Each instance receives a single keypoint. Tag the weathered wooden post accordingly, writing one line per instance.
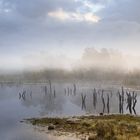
(20, 95)
(31, 94)
(94, 98)
(50, 86)
(120, 99)
(134, 102)
(83, 101)
(45, 88)
(103, 101)
(74, 89)
(23, 95)
(54, 93)
(108, 104)
(129, 102)
(122, 102)
(65, 91)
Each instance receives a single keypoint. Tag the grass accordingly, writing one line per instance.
(107, 127)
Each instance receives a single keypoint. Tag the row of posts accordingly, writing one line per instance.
(130, 100)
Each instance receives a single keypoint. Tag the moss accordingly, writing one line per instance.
(108, 127)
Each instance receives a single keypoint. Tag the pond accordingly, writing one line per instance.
(20, 101)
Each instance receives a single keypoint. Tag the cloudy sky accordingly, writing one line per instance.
(41, 31)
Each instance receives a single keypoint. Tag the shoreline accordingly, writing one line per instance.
(106, 127)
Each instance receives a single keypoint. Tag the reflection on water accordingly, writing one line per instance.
(36, 100)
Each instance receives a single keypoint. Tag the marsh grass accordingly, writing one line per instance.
(107, 127)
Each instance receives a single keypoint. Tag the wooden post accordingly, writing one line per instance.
(134, 102)
(94, 98)
(74, 89)
(122, 102)
(103, 101)
(54, 92)
(129, 102)
(50, 86)
(45, 88)
(83, 101)
(108, 107)
(65, 91)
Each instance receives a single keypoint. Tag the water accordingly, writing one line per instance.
(38, 102)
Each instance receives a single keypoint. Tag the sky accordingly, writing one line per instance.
(36, 33)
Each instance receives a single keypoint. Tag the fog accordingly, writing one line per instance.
(109, 59)
(92, 64)
(88, 58)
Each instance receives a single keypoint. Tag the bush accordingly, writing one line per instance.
(105, 130)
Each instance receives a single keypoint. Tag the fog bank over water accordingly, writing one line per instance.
(90, 58)
(92, 64)
(109, 59)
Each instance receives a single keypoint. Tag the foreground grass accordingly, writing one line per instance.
(107, 127)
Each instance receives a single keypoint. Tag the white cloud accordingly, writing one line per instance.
(73, 16)
(60, 14)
